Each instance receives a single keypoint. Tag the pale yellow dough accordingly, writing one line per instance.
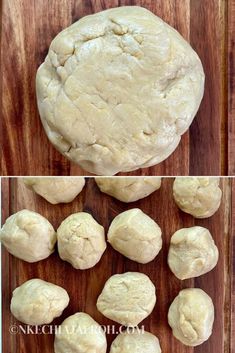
(118, 89)
(79, 333)
(127, 298)
(199, 196)
(55, 189)
(37, 302)
(128, 189)
(28, 236)
(192, 252)
(191, 316)
(135, 341)
(81, 240)
(135, 235)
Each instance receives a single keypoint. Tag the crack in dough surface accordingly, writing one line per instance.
(118, 89)
(38, 302)
(192, 252)
(81, 240)
(191, 316)
(127, 298)
(28, 236)
(135, 341)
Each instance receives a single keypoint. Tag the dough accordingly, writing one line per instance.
(135, 341)
(198, 196)
(80, 334)
(135, 235)
(128, 189)
(127, 298)
(28, 236)
(192, 252)
(191, 316)
(81, 240)
(37, 302)
(118, 89)
(56, 190)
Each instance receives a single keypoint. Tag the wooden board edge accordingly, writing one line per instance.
(231, 87)
(228, 215)
(232, 285)
(5, 212)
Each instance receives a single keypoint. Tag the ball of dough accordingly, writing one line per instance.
(28, 236)
(135, 235)
(79, 333)
(191, 316)
(198, 196)
(192, 252)
(135, 341)
(81, 240)
(127, 298)
(56, 190)
(128, 189)
(37, 302)
(118, 89)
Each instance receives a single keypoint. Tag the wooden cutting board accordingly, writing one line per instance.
(85, 286)
(30, 25)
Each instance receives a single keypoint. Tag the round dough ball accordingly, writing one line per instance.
(128, 189)
(81, 240)
(127, 298)
(135, 341)
(191, 316)
(118, 89)
(135, 235)
(198, 196)
(28, 236)
(37, 302)
(192, 252)
(56, 190)
(79, 333)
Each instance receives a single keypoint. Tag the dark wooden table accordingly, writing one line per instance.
(30, 25)
(85, 286)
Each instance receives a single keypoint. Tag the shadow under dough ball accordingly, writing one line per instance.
(118, 89)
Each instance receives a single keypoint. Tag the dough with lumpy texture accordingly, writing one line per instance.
(135, 235)
(127, 298)
(81, 240)
(191, 316)
(79, 333)
(199, 196)
(192, 252)
(55, 189)
(28, 236)
(118, 89)
(37, 302)
(135, 341)
(128, 189)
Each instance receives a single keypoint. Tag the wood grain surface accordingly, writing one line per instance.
(28, 28)
(85, 286)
